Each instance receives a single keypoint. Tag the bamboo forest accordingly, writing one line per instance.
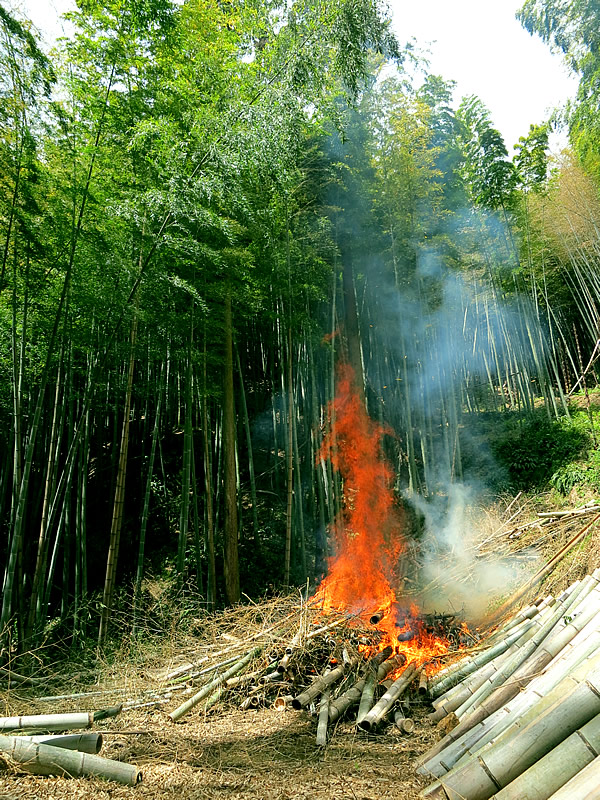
(206, 208)
(299, 409)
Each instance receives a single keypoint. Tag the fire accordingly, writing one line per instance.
(368, 538)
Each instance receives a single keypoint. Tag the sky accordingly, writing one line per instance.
(477, 43)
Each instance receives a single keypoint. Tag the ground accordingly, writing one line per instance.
(242, 755)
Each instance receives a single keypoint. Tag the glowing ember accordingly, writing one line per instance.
(368, 538)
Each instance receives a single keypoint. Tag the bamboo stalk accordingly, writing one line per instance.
(323, 718)
(501, 762)
(206, 690)
(381, 708)
(84, 742)
(351, 696)
(584, 785)
(48, 722)
(318, 686)
(403, 723)
(42, 759)
(557, 767)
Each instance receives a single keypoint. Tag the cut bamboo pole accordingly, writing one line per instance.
(323, 718)
(501, 762)
(48, 722)
(383, 705)
(84, 742)
(531, 667)
(367, 696)
(403, 723)
(584, 786)
(42, 759)
(318, 686)
(503, 723)
(557, 767)
(351, 696)
(480, 659)
(209, 688)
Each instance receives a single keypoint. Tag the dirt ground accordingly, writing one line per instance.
(243, 755)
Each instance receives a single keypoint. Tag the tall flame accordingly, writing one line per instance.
(368, 538)
(369, 535)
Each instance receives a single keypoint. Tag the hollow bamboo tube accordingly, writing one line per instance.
(515, 715)
(318, 686)
(84, 742)
(366, 698)
(423, 683)
(376, 617)
(402, 722)
(584, 786)
(42, 759)
(210, 687)
(501, 762)
(384, 704)
(323, 718)
(282, 702)
(557, 767)
(352, 696)
(48, 722)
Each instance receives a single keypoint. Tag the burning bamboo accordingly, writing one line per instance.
(377, 617)
(318, 686)
(381, 708)
(220, 679)
(43, 759)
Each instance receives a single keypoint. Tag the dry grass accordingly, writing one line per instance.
(225, 752)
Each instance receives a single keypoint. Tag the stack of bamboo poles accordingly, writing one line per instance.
(319, 670)
(527, 708)
(55, 754)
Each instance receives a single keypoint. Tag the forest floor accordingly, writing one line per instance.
(252, 755)
(226, 753)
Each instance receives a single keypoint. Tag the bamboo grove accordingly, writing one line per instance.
(204, 207)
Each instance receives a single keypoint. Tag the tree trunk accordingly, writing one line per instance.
(230, 564)
(117, 518)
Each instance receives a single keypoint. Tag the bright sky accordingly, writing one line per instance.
(477, 43)
(480, 45)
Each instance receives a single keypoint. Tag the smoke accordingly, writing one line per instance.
(456, 350)
(456, 575)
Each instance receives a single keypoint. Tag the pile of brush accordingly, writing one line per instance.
(525, 712)
(339, 669)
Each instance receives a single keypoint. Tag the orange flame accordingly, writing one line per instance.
(368, 537)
